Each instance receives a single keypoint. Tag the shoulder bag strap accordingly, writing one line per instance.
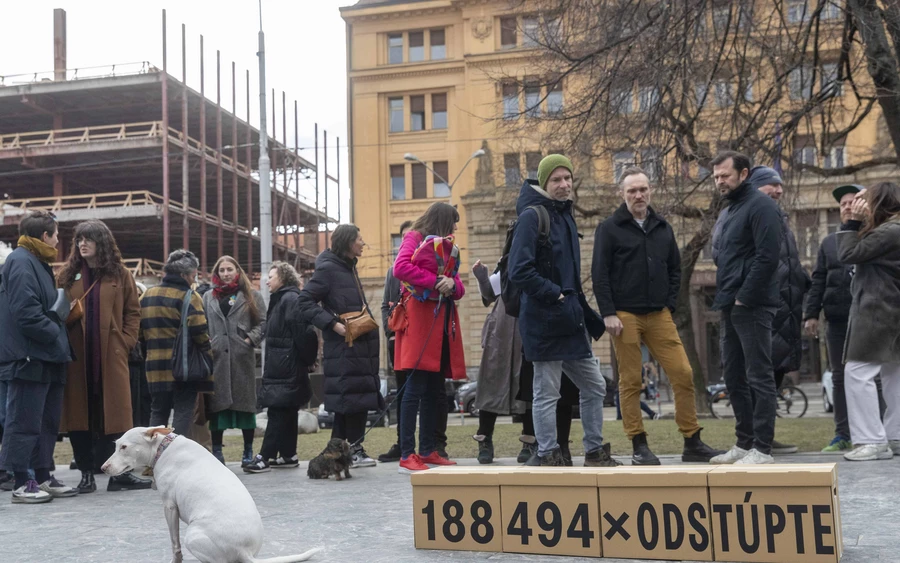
(359, 289)
(185, 336)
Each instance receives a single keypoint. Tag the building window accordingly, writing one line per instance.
(395, 49)
(441, 187)
(532, 161)
(533, 99)
(807, 234)
(745, 17)
(835, 157)
(531, 29)
(724, 94)
(396, 241)
(832, 11)
(398, 181)
(438, 45)
(416, 113)
(700, 90)
(555, 98)
(650, 162)
(721, 15)
(553, 31)
(508, 38)
(396, 105)
(439, 111)
(748, 89)
(621, 161)
(829, 78)
(834, 220)
(623, 101)
(511, 170)
(805, 151)
(510, 101)
(797, 12)
(416, 46)
(800, 83)
(419, 181)
(649, 97)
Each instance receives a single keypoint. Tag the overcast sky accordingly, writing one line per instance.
(305, 52)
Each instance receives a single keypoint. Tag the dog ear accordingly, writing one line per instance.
(152, 432)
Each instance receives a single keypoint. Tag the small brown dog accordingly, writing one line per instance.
(334, 460)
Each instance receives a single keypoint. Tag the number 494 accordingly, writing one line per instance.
(549, 519)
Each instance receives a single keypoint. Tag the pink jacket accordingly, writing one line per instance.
(423, 274)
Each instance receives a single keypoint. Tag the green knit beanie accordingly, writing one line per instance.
(550, 163)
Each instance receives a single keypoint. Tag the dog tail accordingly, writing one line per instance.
(291, 558)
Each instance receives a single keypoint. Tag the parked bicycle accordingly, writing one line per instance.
(791, 401)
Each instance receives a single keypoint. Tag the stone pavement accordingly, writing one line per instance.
(367, 519)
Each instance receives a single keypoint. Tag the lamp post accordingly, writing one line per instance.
(413, 158)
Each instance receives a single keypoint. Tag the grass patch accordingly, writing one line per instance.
(809, 434)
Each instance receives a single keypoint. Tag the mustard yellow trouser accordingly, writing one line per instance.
(658, 332)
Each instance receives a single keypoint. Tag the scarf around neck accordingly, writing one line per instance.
(39, 248)
(221, 289)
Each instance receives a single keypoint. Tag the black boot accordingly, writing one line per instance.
(566, 454)
(217, 453)
(600, 458)
(553, 459)
(696, 450)
(87, 484)
(529, 449)
(485, 449)
(642, 454)
(128, 482)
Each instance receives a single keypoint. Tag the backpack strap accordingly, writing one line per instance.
(543, 220)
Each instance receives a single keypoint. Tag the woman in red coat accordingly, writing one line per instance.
(429, 341)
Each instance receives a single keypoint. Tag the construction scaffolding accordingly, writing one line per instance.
(117, 143)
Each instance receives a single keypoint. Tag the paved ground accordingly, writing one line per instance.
(364, 519)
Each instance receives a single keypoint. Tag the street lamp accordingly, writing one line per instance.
(413, 158)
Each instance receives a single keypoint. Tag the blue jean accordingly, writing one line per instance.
(585, 374)
(749, 377)
(423, 390)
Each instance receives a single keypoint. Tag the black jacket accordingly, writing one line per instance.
(291, 347)
(830, 285)
(793, 283)
(351, 373)
(30, 336)
(749, 247)
(391, 297)
(635, 270)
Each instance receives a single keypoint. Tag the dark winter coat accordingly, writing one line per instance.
(292, 345)
(391, 298)
(793, 283)
(635, 269)
(351, 373)
(30, 336)
(872, 334)
(830, 285)
(748, 249)
(551, 329)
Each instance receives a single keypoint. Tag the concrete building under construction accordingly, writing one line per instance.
(164, 165)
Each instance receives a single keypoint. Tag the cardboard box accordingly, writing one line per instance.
(457, 509)
(778, 513)
(655, 513)
(550, 511)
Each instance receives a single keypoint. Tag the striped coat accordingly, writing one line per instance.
(160, 320)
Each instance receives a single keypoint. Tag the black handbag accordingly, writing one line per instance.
(189, 363)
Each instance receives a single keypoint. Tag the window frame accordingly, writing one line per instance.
(391, 48)
(507, 99)
(436, 183)
(393, 113)
(418, 169)
(620, 163)
(442, 45)
(509, 181)
(401, 178)
(532, 90)
(420, 55)
(505, 31)
(416, 115)
(436, 113)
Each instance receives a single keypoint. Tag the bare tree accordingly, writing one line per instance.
(668, 84)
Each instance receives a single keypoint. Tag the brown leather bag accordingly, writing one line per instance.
(77, 310)
(358, 323)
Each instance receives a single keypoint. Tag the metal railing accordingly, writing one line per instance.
(139, 267)
(103, 71)
(82, 135)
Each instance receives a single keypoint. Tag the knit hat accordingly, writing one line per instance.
(550, 163)
(763, 176)
(840, 191)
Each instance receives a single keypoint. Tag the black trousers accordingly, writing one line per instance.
(401, 389)
(350, 427)
(182, 402)
(32, 424)
(92, 451)
(835, 334)
(140, 394)
(281, 434)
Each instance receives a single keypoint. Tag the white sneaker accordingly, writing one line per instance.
(755, 457)
(56, 489)
(729, 457)
(361, 459)
(895, 446)
(870, 452)
(30, 493)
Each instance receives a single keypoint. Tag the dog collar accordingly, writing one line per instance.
(167, 441)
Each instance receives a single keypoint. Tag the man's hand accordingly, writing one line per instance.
(812, 327)
(340, 329)
(446, 286)
(479, 269)
(613, 325)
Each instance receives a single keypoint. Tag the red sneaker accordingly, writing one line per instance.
(435, 458)
(411, 464)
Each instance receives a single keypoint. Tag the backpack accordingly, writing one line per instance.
(511, 294)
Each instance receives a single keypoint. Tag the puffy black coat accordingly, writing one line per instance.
(27, 292)
(635, 269)
(291, 347)
(793, 283)
(830, 285)
(351, 373)
(748, 247)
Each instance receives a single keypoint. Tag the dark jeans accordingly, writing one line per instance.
(747, 362)
(350, 427)
(182, 402)
(32, 424)
(835, 335)
(281, 434)
(92, 451)
(440, 428)
(140, 394)
(423, 392)
(401, 390)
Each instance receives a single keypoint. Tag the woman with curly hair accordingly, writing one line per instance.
(235, 314)
(97, 403)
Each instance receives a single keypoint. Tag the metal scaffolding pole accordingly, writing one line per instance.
(203, 255)
(325, 143)
(316, 144)
(249, 157)
(234, 160)
(165, 141)
(337, 181)
(220, 211)
(185, 170)
(265, 196)
(296, 182)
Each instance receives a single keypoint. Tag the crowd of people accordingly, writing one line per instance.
(91, 351)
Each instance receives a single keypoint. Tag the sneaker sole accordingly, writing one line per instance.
(696, 459)
(879, 457)
(20, 500)
(358, 465)
(64, 495)
(119, 488)
(285, 466)
(266, 470)
(405, 471)
(635, 462)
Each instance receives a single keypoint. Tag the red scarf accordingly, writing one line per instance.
(222, 289)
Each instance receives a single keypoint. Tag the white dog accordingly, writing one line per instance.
(223, 523)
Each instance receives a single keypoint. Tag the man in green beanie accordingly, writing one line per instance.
(554, 318)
